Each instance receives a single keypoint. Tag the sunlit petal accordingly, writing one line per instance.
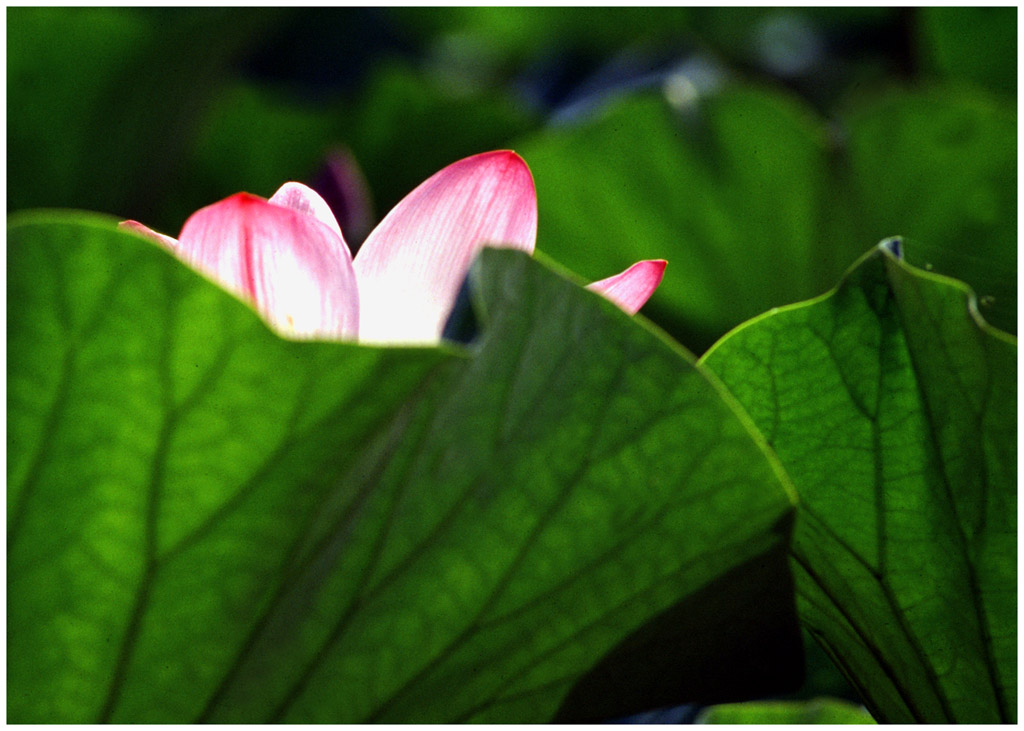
(412, 264)
(633, 287)
(294, 268)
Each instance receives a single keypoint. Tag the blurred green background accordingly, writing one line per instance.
(759, 150)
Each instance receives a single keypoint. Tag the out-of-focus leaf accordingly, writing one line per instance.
(208, 522)
(820, 710)
(745, 193)
(402, 128)
(407, 125)
(970, 43)
(50, 98)
(731, 196)
(939, 167)
(255, 139)
(741, 32)
(510, 37)
(892, 406)
(105, 100)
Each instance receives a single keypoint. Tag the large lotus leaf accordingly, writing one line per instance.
(892, 406)
(208, 522)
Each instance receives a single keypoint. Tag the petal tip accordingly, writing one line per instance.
(420, 252)
(291, 185)
(143, 230)
(509, 159)
(516, 179)
(303, 199)
(631, 289)
(243, 199)
(656, 266)
(514, 164)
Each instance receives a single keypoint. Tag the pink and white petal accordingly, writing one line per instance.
(633, 287)
(296, 270)
(149, 233)
(304, 199)
(411, 266)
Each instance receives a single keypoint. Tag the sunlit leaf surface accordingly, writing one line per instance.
(819, 710)
(893, 408)
(208, 522)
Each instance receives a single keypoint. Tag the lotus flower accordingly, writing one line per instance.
(288, 257)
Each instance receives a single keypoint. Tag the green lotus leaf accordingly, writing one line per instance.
(892, 406)
(206, 522)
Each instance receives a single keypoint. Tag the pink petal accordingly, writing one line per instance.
(295, 269)
(306, 200)
(411, 266)
(149, 233)
(633, 287)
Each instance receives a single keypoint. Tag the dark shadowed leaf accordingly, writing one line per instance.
(892, 406)
(208, 522)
